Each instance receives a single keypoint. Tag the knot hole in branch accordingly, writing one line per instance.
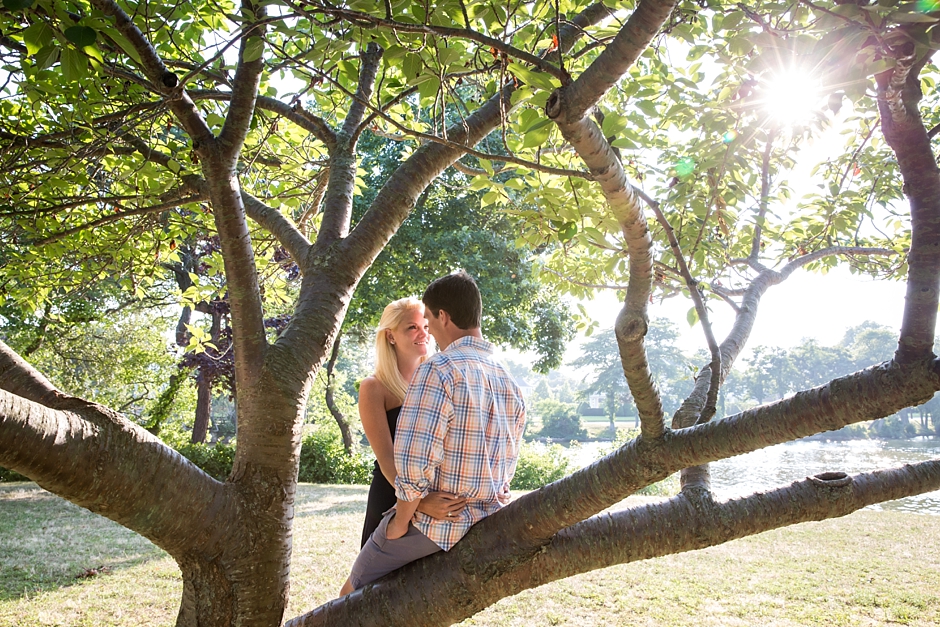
(832, 479)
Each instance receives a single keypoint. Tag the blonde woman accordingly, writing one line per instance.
(401, 344)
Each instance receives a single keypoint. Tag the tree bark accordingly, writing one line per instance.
(568, 107)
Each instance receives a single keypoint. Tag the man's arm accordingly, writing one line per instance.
(398, 525)
(419, 442)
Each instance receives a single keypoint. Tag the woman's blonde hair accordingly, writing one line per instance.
(386, 359)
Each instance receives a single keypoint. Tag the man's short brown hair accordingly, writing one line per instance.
(459, 296)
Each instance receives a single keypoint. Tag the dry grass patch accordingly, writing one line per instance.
(868, 569)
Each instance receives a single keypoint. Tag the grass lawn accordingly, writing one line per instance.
(62, 566)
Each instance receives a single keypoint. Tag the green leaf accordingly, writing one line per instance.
(174, 166)
(74, 65)
(81, 36)
(536, 136)
(429, 86)
(692, 317)
(47, 57)
(911, 18)
(114, 35)
(613, 124)
(412, 66)
(254, 48)
(37, 37)
(536, 79)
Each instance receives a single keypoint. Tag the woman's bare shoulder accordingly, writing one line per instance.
(372, 389)
(371, 385)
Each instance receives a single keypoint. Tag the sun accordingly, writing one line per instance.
(790, 97)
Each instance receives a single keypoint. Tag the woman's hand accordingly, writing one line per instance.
(441, 505)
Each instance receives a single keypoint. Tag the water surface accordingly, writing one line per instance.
(782, 464)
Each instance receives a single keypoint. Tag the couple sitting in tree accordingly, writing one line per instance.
(445, 429)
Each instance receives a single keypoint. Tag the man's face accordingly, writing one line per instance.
(434, 327)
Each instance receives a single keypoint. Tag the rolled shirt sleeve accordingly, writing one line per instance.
(419, 436)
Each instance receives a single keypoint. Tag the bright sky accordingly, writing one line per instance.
(807, 305)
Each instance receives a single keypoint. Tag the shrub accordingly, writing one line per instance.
(11, 475)
(539, 465)
(215, 459)
(560, 420)
(324, 460)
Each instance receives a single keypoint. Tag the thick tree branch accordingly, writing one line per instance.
(567, 107)
(21, 379)
(645, 532)
(898, 95)
(632, 322)
(244, 86)
(620, 54)
(95, 458)
(338, 199)
(370, 60)
(155, 70)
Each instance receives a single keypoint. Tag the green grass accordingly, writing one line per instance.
(62, 566)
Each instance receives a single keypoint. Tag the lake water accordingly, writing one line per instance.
(793, 461)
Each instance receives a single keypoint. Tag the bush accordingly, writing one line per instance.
(539, 465)
(560, 420)
(11, 475)
(215, 459)
(324, 460)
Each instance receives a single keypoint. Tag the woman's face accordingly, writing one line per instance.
(411, 337)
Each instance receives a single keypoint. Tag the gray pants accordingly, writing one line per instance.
(380, 556)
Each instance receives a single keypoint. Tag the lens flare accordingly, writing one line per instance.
(684, 167)
(729, 137)
(791, 97)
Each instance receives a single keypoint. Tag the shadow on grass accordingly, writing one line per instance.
(47, 543)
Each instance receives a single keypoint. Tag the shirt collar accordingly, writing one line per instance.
(473, 342)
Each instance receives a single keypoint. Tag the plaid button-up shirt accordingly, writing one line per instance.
(459, 431)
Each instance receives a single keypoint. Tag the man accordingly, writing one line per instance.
(459, 432)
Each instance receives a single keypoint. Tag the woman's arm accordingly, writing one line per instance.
(375, 424)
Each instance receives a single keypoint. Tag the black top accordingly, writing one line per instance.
(381, 493)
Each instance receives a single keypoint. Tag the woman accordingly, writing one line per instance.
(401, 344)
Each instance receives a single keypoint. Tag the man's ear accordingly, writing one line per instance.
(444, 318)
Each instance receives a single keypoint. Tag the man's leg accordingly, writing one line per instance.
(381, 556)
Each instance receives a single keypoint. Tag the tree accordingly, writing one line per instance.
(559, 420)
(665, 358)
(123, 132)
